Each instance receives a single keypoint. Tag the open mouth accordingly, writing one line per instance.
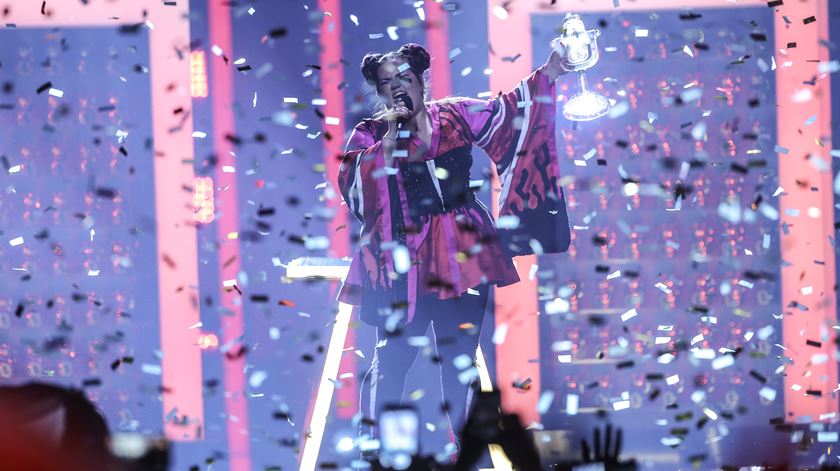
(405, 99)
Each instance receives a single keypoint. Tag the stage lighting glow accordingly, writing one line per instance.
(204, 205)
(306, 267)
(198, 75)
(631, 189)
(208, 341)
(323, 398)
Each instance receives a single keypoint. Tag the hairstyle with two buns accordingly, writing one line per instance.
(415, 55)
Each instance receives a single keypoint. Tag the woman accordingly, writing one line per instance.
(429, 249)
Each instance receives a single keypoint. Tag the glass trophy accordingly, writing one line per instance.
(581, 53)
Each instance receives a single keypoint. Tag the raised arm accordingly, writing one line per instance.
(516, 129)
(525, 114)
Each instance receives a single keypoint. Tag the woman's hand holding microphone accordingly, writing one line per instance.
(397, 118)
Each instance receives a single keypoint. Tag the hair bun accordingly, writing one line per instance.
(370, 64)
(418, 57)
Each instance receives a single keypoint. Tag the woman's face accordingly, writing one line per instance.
(392, 82)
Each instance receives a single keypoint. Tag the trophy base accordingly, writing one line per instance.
(586, 106)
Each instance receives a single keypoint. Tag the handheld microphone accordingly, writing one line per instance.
(408, 104)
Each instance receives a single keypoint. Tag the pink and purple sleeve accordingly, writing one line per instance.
(516, 129)
(513, 121)
(362, 156)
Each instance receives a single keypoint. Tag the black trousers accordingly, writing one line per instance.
(395, 354)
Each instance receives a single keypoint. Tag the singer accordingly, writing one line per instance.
(429, 249)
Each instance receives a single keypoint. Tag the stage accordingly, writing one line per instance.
(174, 230)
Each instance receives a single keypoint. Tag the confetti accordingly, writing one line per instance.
(767, 393)
(257, 378)
(572, 403)
(827, 436)
(500, 334)
(500, 12)
(544, 403)
(724, 361)
(629, 315)
(507, 222)
(557, 306)
(662, 287)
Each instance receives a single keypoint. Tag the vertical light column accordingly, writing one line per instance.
(508, 32)
(809, 301)
(437, 43)
(332, 75)
(176, 233)
(227, 231)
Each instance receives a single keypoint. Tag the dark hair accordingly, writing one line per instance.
(415, 55)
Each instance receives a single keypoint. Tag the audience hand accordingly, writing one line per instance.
(606, 455)
(487, 425)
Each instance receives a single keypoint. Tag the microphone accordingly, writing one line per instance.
(408, 104)
(401, 123)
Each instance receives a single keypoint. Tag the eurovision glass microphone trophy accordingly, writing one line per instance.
(581, 48)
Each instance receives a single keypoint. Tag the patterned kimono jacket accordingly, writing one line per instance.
(425, 209)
